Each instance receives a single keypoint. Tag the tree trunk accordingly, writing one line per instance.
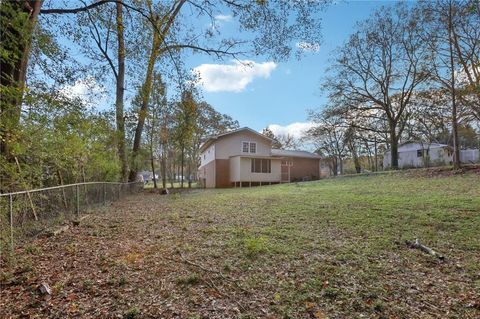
(189, 174)
(182, 165)
(152, 162)
(152, 159)
(456, 148)
(356, 160)
(393, 146)
(16, 42)
(120, 89)
(164, 168)
(158, 39)
(142, 114)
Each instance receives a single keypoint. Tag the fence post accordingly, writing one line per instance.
(119, 187)
(104, 194)
(78, 199)
(10, 208)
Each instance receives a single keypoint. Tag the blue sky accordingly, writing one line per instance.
(280, 94)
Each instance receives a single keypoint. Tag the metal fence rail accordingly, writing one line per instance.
(26, 214)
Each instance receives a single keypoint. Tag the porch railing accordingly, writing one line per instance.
(26, 214)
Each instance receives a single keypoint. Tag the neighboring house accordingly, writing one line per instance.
(415, 154)
(245, 157)
(470, 156)
(146, 176)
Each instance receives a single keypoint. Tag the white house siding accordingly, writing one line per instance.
(438, 155)
(241, 171)
(231, 145)
(235, 169)
(207, 156)
(470, 156)
(407, 155)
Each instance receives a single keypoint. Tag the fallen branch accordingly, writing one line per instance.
(416, 244)
(52, 232)
(211, 283)
(77, 221)
(219, 273)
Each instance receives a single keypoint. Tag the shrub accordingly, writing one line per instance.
(191, 279)
(132, 313)
(255, 246)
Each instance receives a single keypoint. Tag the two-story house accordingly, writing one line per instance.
(245, 157)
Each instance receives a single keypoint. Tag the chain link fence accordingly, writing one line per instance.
(27, 214)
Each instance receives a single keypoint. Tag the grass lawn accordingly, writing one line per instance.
(328, 249)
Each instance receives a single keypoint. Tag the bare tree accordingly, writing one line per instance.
(378, 69)
(328, 135)
(454, 39)
(154, 124)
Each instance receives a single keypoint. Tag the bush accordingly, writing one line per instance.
(188, 280)
(255, 246)
(132, 313)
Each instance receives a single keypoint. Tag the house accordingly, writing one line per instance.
(416, 154)
(245, 157)
(146, 176)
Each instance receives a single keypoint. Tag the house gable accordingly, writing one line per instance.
(234, 145)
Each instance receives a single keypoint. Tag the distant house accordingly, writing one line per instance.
(245, 157)
(416, 154)
(146, 176)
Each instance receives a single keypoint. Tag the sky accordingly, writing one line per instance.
(278, 94)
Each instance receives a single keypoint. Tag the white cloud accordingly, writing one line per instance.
(308, 46)
(88, 90)
(296, 129)
(232, 77)
(223, 17)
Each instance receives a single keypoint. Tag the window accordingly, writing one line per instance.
(245, 146)
(421, 153)
(260, 165)
(253, 147)
(266, 166)
(287, 163)
(249, 147)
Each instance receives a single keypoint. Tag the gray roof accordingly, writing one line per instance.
(291, 153)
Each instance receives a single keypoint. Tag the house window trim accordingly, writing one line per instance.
(423, 152)
(287, 163)
(249, 148)
(268, 165)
